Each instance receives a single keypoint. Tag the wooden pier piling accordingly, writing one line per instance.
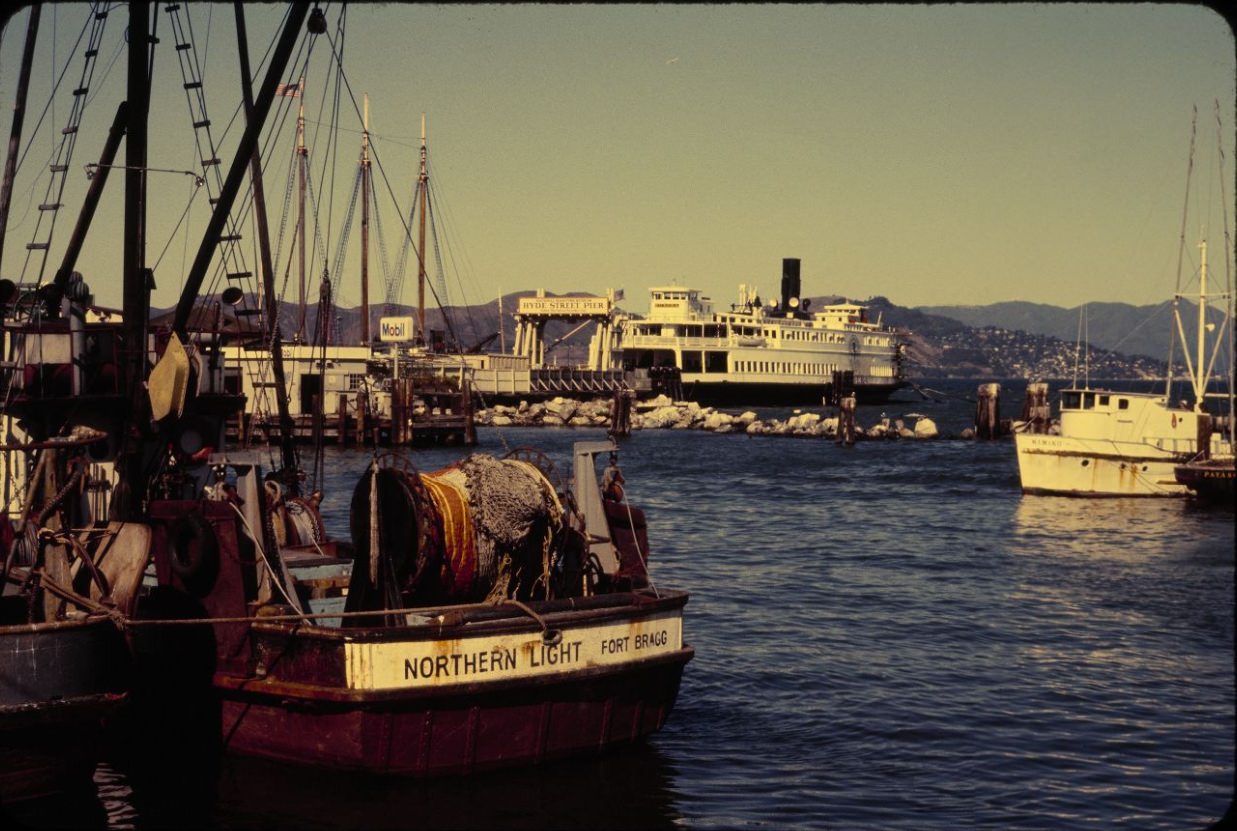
(620, 413)
(1036, 411)
(988, 411)
(846, 420)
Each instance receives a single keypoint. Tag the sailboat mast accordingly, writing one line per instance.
(365, 226)
(423, 192)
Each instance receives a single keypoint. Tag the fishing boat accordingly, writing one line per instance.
(756, 353)
(1110, 442)
(64, 666)
(1211, 480)
(492, 613)
(64, 590)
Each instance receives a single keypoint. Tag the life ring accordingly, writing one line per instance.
(193, 549)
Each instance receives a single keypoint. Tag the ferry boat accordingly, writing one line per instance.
(781, 353)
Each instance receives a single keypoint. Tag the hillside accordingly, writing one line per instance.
(1133, 330)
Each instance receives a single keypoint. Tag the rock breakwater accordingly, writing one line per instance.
(662, 413)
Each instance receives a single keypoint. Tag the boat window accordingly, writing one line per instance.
(714, 330)
(1123, 403)
(1071, 400)
(692, 361)
(1103, 400)
(715, 361)
(1088, 401)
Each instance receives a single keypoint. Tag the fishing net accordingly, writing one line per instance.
(480, 529)
(515, 517)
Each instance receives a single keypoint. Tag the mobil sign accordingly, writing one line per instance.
(395, 329)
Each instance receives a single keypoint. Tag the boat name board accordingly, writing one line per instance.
(431, 663)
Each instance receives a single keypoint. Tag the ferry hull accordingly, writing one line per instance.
(1075, 467)
(738, 393)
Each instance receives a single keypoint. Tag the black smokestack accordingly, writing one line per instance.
(790, 282)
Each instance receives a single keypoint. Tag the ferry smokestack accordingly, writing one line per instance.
(790, 281)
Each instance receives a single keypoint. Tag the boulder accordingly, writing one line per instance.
(925, 428)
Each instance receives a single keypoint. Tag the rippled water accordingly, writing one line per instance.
(887, 636)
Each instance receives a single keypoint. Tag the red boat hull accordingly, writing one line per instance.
(461, 731)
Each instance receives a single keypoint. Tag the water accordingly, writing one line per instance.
(887, 636)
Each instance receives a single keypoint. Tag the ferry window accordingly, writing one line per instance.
(1071, 401)
(714, 361)
(1088, 401)
(1123, 403)
(691, 361)
(1103, 401)
(714, 330)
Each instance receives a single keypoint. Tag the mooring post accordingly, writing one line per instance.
(988, 411)
(342, 434)
(397, 412)
(620, 413)
(1036, 411)
(846, 420)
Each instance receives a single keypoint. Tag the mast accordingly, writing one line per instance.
(1200, 370)
(287, 447)
(423, 192)
(244, 153)
(302, 160)
(365, 226)
(137, 280)
(19, 115)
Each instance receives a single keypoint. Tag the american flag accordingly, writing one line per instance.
(288, 90)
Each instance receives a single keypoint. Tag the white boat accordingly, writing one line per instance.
(774, 353)
(1113, 443)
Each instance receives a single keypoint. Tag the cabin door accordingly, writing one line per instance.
(311, 392)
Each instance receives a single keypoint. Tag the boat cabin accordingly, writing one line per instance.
(1132, 416)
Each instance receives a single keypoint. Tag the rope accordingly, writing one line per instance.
(550, 637)
(449, 491)
(275, 578)
(374, 548)
(635, 538)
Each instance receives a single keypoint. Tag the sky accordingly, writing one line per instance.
(930, 154)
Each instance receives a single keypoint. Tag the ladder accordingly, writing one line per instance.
(231, 254)
(38, 248)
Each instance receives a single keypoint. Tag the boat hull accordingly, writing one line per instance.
(1211, 481)
(58, 683)
(459, 732)
(1061, 465)
(415, 701)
